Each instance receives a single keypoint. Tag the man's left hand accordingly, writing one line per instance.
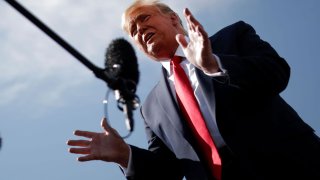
(198, 50)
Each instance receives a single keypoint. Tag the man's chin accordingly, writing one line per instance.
(156, 52)
(152, 51)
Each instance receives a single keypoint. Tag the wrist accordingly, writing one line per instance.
(211, 66)
(124, 156)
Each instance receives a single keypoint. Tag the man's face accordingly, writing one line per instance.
(154, 32)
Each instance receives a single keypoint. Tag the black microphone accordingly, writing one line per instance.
(121, 72)
(121, 67)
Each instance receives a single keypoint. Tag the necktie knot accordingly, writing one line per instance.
(176, 60)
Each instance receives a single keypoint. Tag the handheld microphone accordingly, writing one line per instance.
(121, 67)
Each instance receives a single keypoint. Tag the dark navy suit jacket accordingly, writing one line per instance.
(255, 122)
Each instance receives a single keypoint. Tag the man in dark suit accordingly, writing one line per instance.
(236, 78)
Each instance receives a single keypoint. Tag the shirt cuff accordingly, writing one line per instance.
(125, 170)
(221, 72)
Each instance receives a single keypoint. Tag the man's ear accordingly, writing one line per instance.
(175, 19)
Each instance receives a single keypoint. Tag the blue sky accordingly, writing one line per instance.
(45, 93)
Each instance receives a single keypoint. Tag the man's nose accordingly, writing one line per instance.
(141, 28)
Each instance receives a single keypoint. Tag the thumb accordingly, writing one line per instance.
(181, 40)
(105, 125)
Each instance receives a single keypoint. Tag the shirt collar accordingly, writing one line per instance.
(166, 63)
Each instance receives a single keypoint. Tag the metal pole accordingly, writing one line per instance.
(96, 70)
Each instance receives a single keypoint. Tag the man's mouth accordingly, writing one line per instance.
(148, 36)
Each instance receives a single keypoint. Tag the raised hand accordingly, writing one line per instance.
(106, 146)
(198, 50)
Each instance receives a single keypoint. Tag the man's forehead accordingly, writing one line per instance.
(142, 10)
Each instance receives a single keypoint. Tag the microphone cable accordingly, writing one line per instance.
(105, 103)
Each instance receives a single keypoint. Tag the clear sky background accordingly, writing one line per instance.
(45, 93)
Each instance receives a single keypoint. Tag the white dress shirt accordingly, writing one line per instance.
(207, 111)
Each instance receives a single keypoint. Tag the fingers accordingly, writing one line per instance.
(109, 130)
(86, 134)
(104, 124)
(193, 24)
(85, 151)
(191, 21)
(82, 143)
(86, 158)
(80, 150)
(181, 40)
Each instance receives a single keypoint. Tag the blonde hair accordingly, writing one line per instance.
(163, 8)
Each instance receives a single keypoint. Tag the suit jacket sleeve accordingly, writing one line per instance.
(156, 163)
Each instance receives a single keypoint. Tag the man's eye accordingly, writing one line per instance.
(133, 32)
(146, 17)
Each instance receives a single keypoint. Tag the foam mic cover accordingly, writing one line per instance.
(121, 65)
(121, 68)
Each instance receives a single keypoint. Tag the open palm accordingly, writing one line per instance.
(198, 49)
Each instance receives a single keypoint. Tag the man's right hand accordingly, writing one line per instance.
(106, 146)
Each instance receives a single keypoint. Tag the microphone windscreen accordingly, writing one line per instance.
(121, 61)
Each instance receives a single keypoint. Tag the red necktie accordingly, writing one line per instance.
(191, 110)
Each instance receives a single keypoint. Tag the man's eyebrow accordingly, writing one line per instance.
(137, 17)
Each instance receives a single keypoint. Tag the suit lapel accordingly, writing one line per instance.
(166, 97)
(207, 86)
